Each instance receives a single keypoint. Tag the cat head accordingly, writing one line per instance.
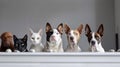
(20, 44)
(35, 37)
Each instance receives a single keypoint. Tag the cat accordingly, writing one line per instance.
(20, 44)
(35, 38)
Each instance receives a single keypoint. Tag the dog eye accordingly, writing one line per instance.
(57, 33)
(75, 33)
(69, 33)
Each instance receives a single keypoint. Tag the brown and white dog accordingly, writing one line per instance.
(7, 42)
(53, 38)
(73, 37)
(94, 38)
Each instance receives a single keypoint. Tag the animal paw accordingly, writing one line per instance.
(8, 50)
(32, 50)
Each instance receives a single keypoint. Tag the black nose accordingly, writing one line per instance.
(93, 42)
(71, 38)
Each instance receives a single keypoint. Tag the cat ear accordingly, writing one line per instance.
(25, 38)
(14, 37)
(31, 31)
(40, 31)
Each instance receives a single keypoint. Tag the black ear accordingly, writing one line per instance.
(14, 37)
(87, 30)
(60, 28)
(100, 30)
(48, 27)
(25, 38)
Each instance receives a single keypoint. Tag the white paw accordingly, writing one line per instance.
(17, 51)
(32, 50)
(118, 50)
(8, 50)
(111, 50)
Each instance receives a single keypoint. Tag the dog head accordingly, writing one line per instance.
(20, 44)
(35, 37)
(53, 36)
(94, 38)
(73, 36)
(7, 40)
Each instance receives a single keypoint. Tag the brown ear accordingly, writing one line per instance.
(66, 28)
(87, 30)
(48, 27)
(60, 28)
(100, 30)
(80, 28)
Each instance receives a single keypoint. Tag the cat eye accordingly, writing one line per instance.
(38, 38)
(22, 44)
(33, 38)
(16, 44)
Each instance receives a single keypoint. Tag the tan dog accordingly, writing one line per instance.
(7, 42)
(73, 37)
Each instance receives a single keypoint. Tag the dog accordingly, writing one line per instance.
(94, 38)
(20, 44)
(54, 38)
(7, 42)
(73, 37)
(35, 38)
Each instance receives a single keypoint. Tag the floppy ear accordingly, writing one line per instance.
(60, 28)
(40, 31)
(66, 28)
(25, 38)
(87, 30)
(31, 31)
(80, 28)
(48, 27)
(14, 37)
(100, 30)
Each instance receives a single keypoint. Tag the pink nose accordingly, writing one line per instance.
(53, 37)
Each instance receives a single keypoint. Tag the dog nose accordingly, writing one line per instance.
(71, 38)
(93, 42)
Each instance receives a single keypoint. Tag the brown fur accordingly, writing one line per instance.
(6, 42)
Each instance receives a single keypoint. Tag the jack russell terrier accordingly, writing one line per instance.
(94, 38)
(53, 38)
(73, 37)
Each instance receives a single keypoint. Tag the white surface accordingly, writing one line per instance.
(83, 59)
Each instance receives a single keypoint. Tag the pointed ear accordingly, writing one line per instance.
(48, 27)
(87, 30)
(66, 28)
(25, 38)
(80, 28)
(40, 31)
(60, 28)
(31, 31)
(14, 37)
(100, 30)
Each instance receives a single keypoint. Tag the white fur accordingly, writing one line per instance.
(9, 50)
(35, 38)
(97, 47)
(73, 46)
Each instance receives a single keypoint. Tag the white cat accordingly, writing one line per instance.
(35, 38)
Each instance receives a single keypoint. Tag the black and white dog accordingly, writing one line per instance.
(94, 38)
(53, 38)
